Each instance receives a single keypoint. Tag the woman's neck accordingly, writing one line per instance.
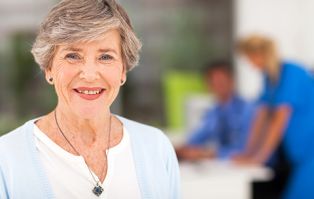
(85, 130)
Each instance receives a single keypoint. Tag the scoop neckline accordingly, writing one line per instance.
(64, 153)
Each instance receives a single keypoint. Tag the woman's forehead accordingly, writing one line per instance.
(109, 41)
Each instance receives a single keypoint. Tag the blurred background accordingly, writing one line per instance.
(179, 37)
(167, 89)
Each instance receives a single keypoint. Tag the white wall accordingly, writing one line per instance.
(289, 22)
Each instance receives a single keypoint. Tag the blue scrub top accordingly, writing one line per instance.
(295, 88)
(226, 126)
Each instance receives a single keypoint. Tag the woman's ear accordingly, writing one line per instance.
(48, 76)
(123, 76)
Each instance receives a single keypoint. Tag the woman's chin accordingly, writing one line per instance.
(88, 112)
(88, 109)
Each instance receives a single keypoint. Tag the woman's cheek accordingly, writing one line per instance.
(67, 74)
(113, 78)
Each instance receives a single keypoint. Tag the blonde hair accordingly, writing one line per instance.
(73, 21)
(266, 47)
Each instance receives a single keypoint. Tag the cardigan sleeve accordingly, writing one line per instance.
(173, 170)
(3, 188)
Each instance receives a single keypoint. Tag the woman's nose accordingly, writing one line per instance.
(89, 71)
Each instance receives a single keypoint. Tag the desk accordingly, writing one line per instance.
(220, 180)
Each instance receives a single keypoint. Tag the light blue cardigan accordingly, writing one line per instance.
(22, 175)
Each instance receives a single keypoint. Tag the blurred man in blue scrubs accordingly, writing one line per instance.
(224, 128)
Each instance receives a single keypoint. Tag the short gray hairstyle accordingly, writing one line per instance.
(84, 20)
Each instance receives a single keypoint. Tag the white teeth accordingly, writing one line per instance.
(87, 92)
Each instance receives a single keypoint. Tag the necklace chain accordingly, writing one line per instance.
(97, 188)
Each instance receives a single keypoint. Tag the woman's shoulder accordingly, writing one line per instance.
(140, 127)
(12, 136)
(294, 67)
(142, 131)
(300, 72)
(147, 140)
(15, 140)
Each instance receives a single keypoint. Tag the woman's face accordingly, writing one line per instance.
(257, 59)
(87, 76)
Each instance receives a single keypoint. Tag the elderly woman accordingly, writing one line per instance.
(286, 113)
(80, 149)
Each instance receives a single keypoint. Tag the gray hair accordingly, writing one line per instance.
(84, 20)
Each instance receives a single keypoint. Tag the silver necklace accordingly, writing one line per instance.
(98, 189)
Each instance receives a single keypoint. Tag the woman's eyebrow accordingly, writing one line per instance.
(72, 49)
(80, 50)
(105, 50)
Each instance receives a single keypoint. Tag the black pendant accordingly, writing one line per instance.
(98, 190)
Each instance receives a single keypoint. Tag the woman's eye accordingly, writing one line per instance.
(72, 56)
(105, 57)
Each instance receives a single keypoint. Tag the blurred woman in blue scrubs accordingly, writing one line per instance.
(285, 113)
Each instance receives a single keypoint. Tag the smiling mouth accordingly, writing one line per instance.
(89, 92)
